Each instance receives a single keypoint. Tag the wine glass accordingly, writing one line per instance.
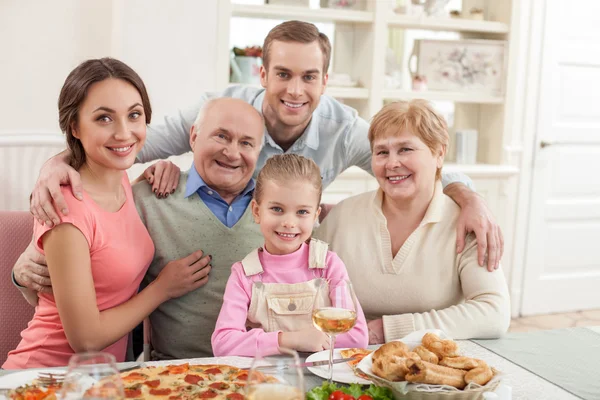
(279, 377)
(92, 375)
(334, 312)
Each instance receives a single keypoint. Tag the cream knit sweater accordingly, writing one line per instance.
(427, 285)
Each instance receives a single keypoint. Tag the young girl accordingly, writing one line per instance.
(269, 296)
(99, 252)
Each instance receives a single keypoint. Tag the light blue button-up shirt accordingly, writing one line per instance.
(228, 214)
(336, 137)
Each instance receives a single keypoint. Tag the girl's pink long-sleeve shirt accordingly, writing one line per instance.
(231, 337)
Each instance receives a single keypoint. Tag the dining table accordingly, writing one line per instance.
(561, 364)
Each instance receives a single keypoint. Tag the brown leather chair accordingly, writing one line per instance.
(15, 235)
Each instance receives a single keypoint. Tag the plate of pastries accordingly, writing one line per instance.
(429, 365)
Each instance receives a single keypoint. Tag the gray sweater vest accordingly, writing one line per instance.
(182, 327)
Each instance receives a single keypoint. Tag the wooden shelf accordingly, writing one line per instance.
(301, 13)
(457, 97)
(446, 24)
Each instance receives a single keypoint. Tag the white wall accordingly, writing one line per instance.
(171, 45)
(41, 42)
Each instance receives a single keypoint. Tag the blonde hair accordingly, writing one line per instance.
(301, 32)
(419, 117)
(288, 169)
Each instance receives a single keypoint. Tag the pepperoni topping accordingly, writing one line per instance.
(193, 379)
(209, 394)
(213, 371)
(135, 376)
(160, 392)
(109, 385)
(153, 384)
(178, 396)
(133, 393)
(178, 369)
(165, 372)
(235, 396)
(242, 377)
(219, 385)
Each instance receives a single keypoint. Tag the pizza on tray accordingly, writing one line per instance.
(174, 382)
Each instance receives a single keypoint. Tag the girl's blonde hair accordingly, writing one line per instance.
(288, 169)
(419, 117)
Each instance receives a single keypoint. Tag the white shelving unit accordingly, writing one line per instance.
(360, 44)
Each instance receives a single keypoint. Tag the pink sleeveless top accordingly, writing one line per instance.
(121, 251)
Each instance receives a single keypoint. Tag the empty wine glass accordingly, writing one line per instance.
(337, 317)
(277, 377)
(92, 375)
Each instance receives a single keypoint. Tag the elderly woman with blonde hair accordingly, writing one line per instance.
(398, 242)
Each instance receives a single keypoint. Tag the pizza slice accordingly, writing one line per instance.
(358, 355)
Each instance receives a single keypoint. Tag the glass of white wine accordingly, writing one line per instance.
(339, 316)
(277, 377)
(92, 375)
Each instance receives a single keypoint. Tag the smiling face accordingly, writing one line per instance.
(294, 82)
(111, 124)
(226, 145)
(286, 214)
(404, 166)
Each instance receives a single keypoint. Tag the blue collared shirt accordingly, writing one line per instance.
(336, 137)
(228, 214)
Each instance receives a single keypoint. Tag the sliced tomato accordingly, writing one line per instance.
(152, 384)
(133, 393)
(193, 379)
(135, 376)
(213, 371)
(219, 385)
(364, 397)
(160, 392)
(178, 369)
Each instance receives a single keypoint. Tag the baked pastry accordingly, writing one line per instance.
(392, 348)
(424, 372)
(480, 375)
(427, 355)
(390, 367)
(441, 348)
(461, 362)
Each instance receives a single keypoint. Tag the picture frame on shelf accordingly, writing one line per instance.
(461, 65)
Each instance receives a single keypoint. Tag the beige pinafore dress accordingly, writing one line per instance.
(286, 307)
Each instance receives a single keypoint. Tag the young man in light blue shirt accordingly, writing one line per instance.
(299, 119)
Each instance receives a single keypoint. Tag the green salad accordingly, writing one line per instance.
(331, 391)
